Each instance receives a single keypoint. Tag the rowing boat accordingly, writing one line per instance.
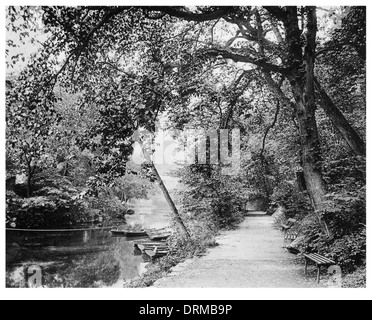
(157, 253)
(128, 233)
(149, 245)
(159, 235)
(74, 250)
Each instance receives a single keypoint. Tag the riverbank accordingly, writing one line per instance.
(249, 257)
(180, 252)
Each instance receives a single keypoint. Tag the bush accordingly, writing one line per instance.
(53, 210)
(357, 279)
(56, 204)
(345, 211)
(105, 207)
(345, 172)
(208, 195)
(350, 251)
(296, 203)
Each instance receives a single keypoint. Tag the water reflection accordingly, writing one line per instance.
(82, 258)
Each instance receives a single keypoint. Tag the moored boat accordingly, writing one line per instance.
(128, 233)
(159, 235)
(149, 245)
(74, 250)
(157, 253)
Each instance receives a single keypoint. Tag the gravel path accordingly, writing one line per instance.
(248, 257)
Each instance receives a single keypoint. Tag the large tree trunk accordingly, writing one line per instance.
(302, 83)
(311, 155)
(351, 137)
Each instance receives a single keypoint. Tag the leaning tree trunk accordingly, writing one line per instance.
(351, 137)
(170, 201)
(176, 215)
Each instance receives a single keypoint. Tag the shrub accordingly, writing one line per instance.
(295, 202)
(345, 211)
(54, 209)
(208, 195)
(350, 251)
(107, 207)
(357, 279)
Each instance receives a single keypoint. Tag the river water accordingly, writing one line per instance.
(82, 259)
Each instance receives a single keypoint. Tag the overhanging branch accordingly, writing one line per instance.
(271, 126)
(261, 62)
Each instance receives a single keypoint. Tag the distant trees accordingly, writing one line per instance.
(131, 187)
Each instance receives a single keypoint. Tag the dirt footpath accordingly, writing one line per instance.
(249, 257)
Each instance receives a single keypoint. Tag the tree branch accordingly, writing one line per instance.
(79, 49)
(212, 29)
(271, 126)
(262, 63)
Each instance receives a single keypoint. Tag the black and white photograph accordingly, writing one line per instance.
(185, 146)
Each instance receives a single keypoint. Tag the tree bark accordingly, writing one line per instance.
(30, 172)
(311, 155)
(351, 137)
(302, 83)
(301, 80)
(29, 184)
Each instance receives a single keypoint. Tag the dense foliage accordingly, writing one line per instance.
(51, 181)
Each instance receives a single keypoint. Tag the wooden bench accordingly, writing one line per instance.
(319, 260)
(292, 230)
(292, 234)
(288, 225)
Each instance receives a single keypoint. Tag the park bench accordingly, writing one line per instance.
(319, 260)
(288, 225)
(292, 230)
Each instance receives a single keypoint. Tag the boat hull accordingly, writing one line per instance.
(129, 234)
